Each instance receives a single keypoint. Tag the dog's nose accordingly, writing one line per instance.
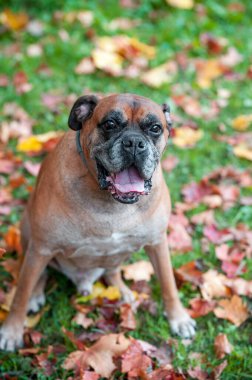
(134, 144)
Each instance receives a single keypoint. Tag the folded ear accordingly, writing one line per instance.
(166, 110)
(82, 110)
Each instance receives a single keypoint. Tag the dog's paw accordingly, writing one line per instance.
(36, 302)
(10, 338)
(184, 326)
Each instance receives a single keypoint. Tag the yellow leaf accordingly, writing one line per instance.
(14, 21)
(107, 61)
(32, 320)
(243, 151)
(3, 315)
(31, 144)
(183, 4)
(242, 122)
(148, 51)
(207, 71)
(187, 137)
(111, 293)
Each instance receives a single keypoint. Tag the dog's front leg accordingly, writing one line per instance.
(180, 321)
(11, 333)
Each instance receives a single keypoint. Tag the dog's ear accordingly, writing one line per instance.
(166, 111)
(81, 111)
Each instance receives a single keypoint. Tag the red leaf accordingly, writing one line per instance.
(127, 317)
(200, 307)
(222, 346)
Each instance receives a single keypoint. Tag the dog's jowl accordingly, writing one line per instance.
(100, 196)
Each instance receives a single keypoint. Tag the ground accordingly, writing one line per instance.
(221, 93)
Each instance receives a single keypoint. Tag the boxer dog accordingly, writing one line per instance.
(100, 195)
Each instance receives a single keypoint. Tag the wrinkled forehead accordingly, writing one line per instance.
(129, 108)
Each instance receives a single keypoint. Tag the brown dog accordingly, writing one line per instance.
(75, 225)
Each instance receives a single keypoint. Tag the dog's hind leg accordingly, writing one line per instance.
(35, 261)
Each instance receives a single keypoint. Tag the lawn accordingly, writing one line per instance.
(206, 95)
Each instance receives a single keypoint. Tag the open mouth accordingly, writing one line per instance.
(125, 186)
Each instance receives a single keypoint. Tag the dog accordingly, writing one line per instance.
(100, 195)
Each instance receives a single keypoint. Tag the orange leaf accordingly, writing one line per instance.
(139, 271)
(12, 240)
(14, 21)
(127, 317)
(234, 310)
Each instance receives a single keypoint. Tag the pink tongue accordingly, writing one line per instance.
(129, 180)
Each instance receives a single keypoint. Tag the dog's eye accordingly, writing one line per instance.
(155, 129)
(109, 125)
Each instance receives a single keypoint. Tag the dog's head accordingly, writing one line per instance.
(126, 135)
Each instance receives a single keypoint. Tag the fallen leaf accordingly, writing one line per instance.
(242, 122)
(179, 239)
(160, 75)
(207, 71)
(2, 252)
(234, 310)
(186, 137)
(216, 236)
(213, 285)
(128, 320)
(198, 373)
(32, 167)
(231, 58)
(85, 66)
(169, 163)
(222, 347)
(189, 272)
(31, 144)
(99, 356)
(244, 150)
(205, 217)
(13, 240)
(82, 320)
(14, 21)
(200, 307)
(139, 271)
(182, 4)
(134, 362)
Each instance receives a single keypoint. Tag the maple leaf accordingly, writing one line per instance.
(134, 362)
(139, 271)
(160, 75)
(234, 310)
(222, 347)
(99, 356)
(189, 272)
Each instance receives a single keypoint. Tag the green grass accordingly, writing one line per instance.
(172, 30)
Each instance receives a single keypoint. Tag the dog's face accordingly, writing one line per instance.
(126, 135)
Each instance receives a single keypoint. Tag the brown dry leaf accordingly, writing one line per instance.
(244, 150)
(134, 362)
(82, 320)
(139, 271)
(213, 285)
(182, 4)
(200, 307)
(100, 355)
(222, 347)
(14, 21)
(198, 373)
(242, 122)
(234, 310)
(186, 137)
(207, 71)
(160, 75)
(189, 272)
(127, 317)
